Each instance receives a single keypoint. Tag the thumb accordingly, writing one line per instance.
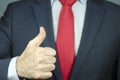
(40, 37)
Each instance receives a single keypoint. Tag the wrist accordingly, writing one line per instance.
(18, 69)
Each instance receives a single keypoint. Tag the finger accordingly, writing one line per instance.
(40, 37)
(49, 60)
(45, 67)
(43, 75)
(46, 59)
(49, 51)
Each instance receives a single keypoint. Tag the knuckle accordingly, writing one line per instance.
(40, 59)
(51, 51)
(50, 74)
(52, 67)
(44, 75)
(37, 75)
(50, 59)
(54, 52)
(41, 49)
(49, 48)
(54, 60)
(41, 68)
(46, 48)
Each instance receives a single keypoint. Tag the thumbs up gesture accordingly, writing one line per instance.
(36, 62)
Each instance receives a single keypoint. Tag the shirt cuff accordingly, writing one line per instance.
(12, 74)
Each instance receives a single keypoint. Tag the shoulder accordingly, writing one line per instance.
(111, 7)
(19, 7)
(22, 3)
(107, 5)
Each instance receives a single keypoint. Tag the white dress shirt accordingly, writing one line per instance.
(79, 10)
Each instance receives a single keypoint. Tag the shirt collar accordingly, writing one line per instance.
(81, 1)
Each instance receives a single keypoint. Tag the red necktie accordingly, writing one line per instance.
(65, 38)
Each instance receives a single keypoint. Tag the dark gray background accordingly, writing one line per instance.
(4, 3)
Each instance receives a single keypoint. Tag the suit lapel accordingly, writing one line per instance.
(93, 20)
(43, 17)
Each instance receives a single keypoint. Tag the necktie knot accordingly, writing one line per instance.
(67, 2)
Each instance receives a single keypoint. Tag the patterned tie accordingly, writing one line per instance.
(65, 39)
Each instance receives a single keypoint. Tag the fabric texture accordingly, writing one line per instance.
(98, 55)
(65, 39)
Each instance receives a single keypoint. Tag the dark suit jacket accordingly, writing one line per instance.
(99, 53)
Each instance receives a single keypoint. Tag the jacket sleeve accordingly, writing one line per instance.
(118, 68)
(5, 42)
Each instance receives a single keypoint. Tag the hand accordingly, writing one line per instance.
(36, 62)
